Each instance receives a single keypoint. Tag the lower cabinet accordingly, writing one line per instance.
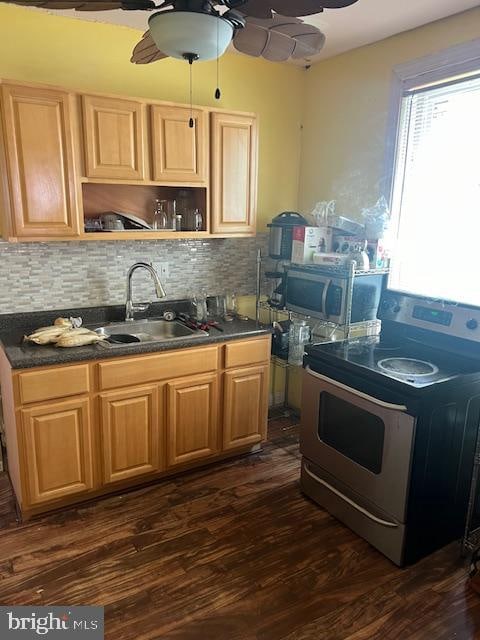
(72, 433)
(192, 419)
(131, 433)
(245, 407)
(58, 450)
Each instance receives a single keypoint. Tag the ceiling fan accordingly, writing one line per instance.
(203, 29)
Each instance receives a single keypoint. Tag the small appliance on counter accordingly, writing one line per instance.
(280, 338)
(281, 234)
(389, 425)
(277, 281)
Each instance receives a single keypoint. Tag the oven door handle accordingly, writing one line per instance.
(342, 496)
(324, 298)
(359, 394)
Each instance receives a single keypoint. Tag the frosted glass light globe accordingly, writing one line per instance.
(177, 33)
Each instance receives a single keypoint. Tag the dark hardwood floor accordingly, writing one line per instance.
(234, 552)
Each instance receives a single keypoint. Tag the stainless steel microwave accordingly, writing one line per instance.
(315, 292)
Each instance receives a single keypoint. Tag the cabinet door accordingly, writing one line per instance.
(179, 152)
(130, 433)
(234, 173)
(192, 420)
(114, 138)
(245, 407)
(40, 161)
(58, 450)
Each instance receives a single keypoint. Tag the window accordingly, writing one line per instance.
(436, 190)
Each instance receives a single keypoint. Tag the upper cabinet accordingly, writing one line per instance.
(67, 158)
(180, 152)
(114, 131)
(39, 183)
(234, 173)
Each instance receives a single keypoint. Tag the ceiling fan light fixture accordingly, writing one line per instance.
(177, 33)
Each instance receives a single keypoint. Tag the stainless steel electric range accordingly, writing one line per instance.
(389, 426)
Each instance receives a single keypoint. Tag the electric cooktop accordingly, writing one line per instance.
(413, 364)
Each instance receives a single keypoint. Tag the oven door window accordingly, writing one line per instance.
(305, 293)
(352, 431)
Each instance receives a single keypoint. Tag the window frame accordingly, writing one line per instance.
(437, 67)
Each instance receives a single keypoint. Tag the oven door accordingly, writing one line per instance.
(365, 443)
(315, 295)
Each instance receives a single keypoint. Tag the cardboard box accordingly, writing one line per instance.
(344, 244)
(377, 254)
(331, 259)
(310, 240)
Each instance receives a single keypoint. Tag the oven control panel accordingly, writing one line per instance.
(444, 317)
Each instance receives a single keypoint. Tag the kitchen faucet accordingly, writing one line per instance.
(130, 308)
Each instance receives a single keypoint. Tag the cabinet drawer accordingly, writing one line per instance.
(36, 386)
(173, 364)
(247, 352)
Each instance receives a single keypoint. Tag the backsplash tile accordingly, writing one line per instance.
(42, 276)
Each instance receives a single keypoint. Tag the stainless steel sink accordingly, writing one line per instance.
(149, 331)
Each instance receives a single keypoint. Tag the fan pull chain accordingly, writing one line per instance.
(191, 57)
(191, 123)
(218, 93)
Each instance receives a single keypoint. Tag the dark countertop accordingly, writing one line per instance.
(23, 355)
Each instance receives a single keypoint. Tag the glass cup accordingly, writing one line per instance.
(217, 306)
(232, 304)
(199, 302)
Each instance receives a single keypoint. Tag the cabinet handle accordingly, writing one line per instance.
(359, 394)
(324, 298)
(353, 504)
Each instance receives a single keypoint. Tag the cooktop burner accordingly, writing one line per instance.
(407, 367)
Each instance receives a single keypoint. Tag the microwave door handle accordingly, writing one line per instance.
(359, 394)
(324, 298)
(353, 504)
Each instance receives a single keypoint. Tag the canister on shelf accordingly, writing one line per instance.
(298, 338)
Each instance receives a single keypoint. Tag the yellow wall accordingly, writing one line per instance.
(346, 109)
(37, 46)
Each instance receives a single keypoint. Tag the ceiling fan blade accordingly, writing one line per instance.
(257, 9)
(88, 5)
(337, 4)
(279, 38)
(263, 8)
(146, 51)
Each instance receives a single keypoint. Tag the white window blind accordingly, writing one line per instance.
(436, 193)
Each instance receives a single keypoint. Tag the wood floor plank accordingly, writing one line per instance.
(230, 552)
